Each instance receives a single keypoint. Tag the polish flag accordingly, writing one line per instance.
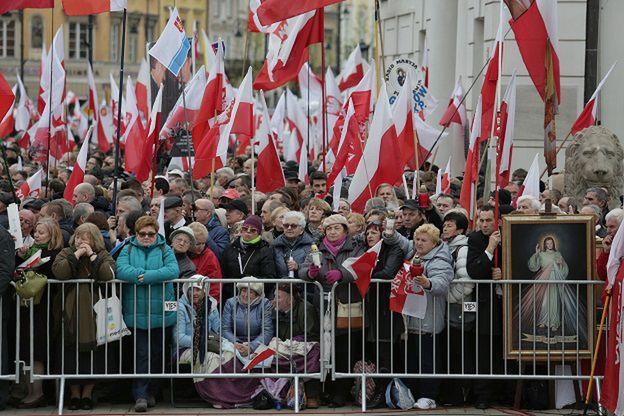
(302, 172)
(506, 134)
(313, 88)
(211, 154)
(269, 174)
(407, 297)
(587, 118)
(288, 49)
(403, 115)
(52, 131)
(471, 171)
(334, 108)
(456, 110)
(150, 145)
(296, 121)
(142, 83)
(253, 22)
(7, 104)
(426, 139)
(22, 108)
(9, 5)
(291, 146)
(271, 11)
(259, 358)
(213, 98)
(362, 96)
(361, 268)
(92, 102)
(278, 119)
(178, 162)
(105, 129)
(353, 71)
(85, 8)
(54, 71)
(42, 80)
(180, 115)
(349, 137)
(115, 107)
(134, 136)
(445, 181)
(612, 397)
(32, 186)
(488, 89)
(379, 161)
(78, 173)
(530, 186)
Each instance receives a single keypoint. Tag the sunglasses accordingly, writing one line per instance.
(249, 230)
(147, 234)
(291, 225)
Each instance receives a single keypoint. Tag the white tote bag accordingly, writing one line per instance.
(110, 324)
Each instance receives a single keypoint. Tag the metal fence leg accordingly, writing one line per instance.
(297, 403)
(363, 393)
(61, 396)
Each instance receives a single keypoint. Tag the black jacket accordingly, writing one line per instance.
(7, 265)
(101, 204)
(431, 216)
(255, 260)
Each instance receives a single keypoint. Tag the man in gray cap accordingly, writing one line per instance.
(174, 217)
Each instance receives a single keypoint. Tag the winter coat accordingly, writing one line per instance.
(7, 265)
(294, 323)
(101, 204)
(187, 315)
(207, 264)
(459, 293)
(157, 264)
(283, 249)
(250, 260)
(186, 266)
(438, 265)
(73, 306)
(218, 236)
(257, 317)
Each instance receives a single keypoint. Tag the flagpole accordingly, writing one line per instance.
(188, 145)
(50, 58)
(324, 105)
(378, 18)
(416, 181)
(120, 98)
(246, 46)
(557, 152)
(495, 115)
(595, 355)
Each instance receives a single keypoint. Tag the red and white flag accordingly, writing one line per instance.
(134, 136)
(349, 138)
(180, 115)
(612, 397)
(269, 174)
(424, 65)
(32, 186)
(302, 172)
(445, 181)
(150, 146)
(53, 76)
(428, 138)
(253, 22)
(7, 97)
(9, 5)
(379, 162)
(85, 8)
(506, 134)
(141, 88)
(211, 154)
(213, 98)
(403, 115)
(297, 122)
(361, 268)
(288, 49)
(530, 186)
(488, 89)
(362, 96)
(471, 171)
(78, 173)
(7, 121)
(271, 11)
(310, 84)
(456, 110)
(92, 102)
(587, 118)
(407, 297)
(259, 358)
(105, 130)
(353, 71)
(22, 108)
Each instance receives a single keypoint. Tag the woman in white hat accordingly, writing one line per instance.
(182, 240)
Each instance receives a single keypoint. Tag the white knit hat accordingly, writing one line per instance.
(252, 283)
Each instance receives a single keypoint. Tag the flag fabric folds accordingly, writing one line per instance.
(361, 267)
(269, 174)
(32, 186)
(456, 110)
(506, 134)
(587, 118)
(85, 8)
(353, 71)
(8, 5)
(271, 11)
(471, 170)
(78, 173)
(172, 46)
(406, 296)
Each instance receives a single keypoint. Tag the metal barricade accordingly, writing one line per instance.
(498, 330)
(158, 348)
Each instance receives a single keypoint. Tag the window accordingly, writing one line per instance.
(7, 38)
(78, 40)
(115, 41)
(36, 32)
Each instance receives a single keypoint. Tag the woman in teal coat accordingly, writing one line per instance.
(147, 263)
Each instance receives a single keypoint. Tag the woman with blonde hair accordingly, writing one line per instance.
(85, 258)
(357, 224)
(49, 240)
(315, 212)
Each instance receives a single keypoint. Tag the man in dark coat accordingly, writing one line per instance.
(414, 216)
(7, 266)
(481, 247)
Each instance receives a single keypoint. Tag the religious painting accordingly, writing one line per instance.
(549, 261)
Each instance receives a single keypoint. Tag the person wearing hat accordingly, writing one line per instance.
(336, 247)
(248, 255)
(229, 195)
(235, 211)
(292, 180)
(417, 212)
(182, 240)
(174, 216)
(198, 315)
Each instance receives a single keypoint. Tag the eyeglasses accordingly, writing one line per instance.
(249, 230)
(147, 234)
(181, 240)
(291, 225)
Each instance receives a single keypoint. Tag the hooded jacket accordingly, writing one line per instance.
(187, 316)
(438, 265)
(459, 292)
(257, 317)
(157, 264)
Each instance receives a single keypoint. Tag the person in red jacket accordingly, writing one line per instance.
(613, 220)
(204, 258)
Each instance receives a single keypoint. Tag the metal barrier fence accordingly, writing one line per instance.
(479, 339)
(494, 330)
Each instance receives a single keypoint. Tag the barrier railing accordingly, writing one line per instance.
(506, 329)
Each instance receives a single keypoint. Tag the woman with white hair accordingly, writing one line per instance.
(291, 248)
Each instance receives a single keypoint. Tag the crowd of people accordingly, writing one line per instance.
(215, 228)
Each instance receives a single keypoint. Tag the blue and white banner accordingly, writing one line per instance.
(173, 46)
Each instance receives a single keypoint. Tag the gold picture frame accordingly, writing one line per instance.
(548, 321)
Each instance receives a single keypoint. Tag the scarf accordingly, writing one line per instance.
(34, 248)
(245, 243)
(335, 246)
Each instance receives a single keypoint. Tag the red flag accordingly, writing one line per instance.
(506, 134)
(213, 98)
(104, 126)
(271, 11)
(353, 71)
(445, 181)
(361, 268)
(488, 90)
(32, 186)
(151, 144)
(407, 297)
(134, 137)
(362, 96)
(259, 358)
(8, 5)
(142, 82)
(77, 175)
(85, 8)
(471, 170)
(23, 108)
(349, 138)
(269, 175)
(456, 110)
(7, 97)
(587, 118)
(403, 115)
(288, 49)
(379, 162)
(7, 122)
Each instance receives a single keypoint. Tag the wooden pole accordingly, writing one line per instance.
(558, 150)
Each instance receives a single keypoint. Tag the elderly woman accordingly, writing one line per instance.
(147, 263)
(49, 240)
(248, 255)
(292, 247)
(435, 280)
(85, 258)
(315, 212)
(198, 317)
(182, 240)
(277, 228)
(335, 248)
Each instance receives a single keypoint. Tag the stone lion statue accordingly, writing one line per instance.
(594, 158)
